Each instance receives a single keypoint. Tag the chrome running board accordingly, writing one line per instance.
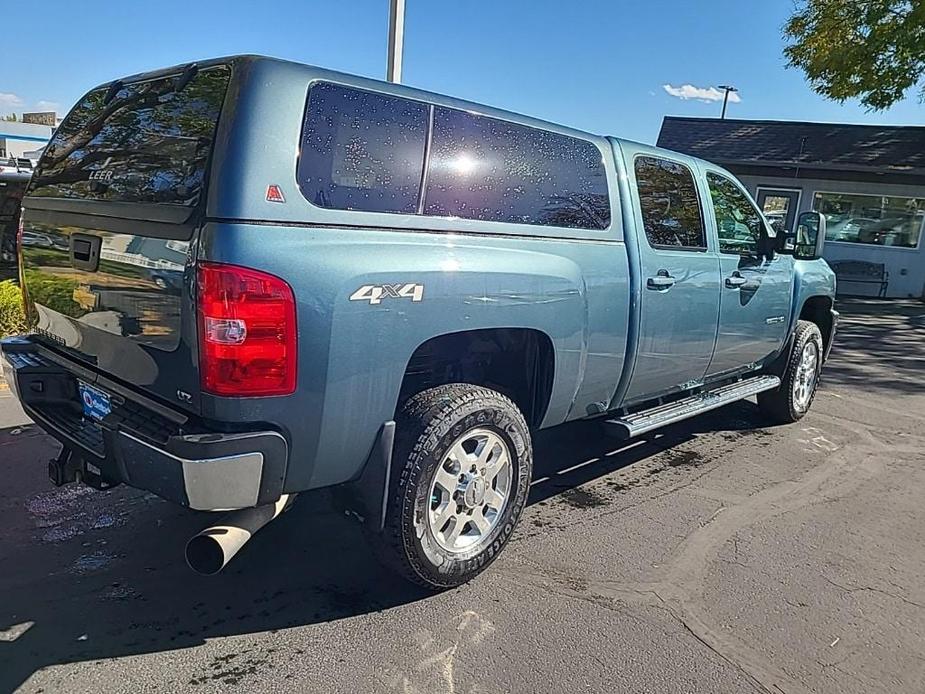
(669, 413)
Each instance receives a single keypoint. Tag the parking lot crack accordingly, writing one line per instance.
(753, 679)
(872, 589)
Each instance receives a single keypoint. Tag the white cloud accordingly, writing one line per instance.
(705, 94)
(8, 102)
(47, 106)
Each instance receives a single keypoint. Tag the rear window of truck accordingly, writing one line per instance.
(378, 153)
(138, 142)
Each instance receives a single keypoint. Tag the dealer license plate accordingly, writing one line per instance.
(96, 402)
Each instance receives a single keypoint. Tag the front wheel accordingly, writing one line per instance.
(789, 402)
(463, 462)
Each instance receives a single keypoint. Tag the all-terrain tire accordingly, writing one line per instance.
(428, 424)
(783, 404)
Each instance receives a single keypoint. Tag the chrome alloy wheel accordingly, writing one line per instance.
(470, 490)
(804, 384)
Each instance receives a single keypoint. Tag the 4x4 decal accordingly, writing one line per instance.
(375, 293)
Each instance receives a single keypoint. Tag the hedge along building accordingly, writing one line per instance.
(869, 181)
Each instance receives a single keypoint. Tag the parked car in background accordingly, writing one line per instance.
(891, 231)
(12, 169)
(31, 238)
(387, 292)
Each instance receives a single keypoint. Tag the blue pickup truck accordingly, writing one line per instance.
(267, 278)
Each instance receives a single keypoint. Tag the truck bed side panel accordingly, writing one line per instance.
(353, 354)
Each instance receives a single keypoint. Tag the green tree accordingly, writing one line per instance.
(872, 50)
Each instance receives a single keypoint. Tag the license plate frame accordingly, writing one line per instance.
(96, 403)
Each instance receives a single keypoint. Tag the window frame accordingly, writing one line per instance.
(420, 220)
(771, 189)
(703, 218)
(857, 244)
(750, 200)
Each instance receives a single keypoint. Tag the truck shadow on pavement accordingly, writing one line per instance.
(873, 332)
(91, 575)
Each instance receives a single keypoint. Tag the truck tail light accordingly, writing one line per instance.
(247, 332)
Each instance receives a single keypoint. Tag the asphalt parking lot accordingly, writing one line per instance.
(719, 555)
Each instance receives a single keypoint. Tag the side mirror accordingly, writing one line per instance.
(806, 242)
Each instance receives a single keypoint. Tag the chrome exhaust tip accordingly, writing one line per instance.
(209, 551)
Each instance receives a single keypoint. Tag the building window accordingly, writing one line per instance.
(738, 222)
(878, 220)
(362, 150)
(671, 213)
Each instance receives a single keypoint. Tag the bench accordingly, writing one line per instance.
(862, 271)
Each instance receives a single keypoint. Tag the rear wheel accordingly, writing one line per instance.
(792, 399)
(463, 461)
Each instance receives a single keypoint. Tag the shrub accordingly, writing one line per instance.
(56, 293)
(12, 319)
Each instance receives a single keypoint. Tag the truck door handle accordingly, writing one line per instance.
(662, 280)
(735, 281)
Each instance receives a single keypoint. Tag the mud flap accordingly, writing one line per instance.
(367, 497)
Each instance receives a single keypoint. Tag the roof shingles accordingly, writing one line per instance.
(860, 147)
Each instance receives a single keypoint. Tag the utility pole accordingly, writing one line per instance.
(727, 89)
(396, 39)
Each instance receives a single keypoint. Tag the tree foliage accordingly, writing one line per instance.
(872, 50)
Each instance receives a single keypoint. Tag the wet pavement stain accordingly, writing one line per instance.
(90, 563)
(224, 669)
(583, 498)
(737, 435)
(683, 458)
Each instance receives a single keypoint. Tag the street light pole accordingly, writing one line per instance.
(396, 39)
(727, 89)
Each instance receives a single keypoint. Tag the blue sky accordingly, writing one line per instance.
(599, 65)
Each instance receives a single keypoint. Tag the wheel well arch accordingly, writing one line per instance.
(517, 362)
(818, 310)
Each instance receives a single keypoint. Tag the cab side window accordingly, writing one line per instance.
(738, 222)
(671, 212)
